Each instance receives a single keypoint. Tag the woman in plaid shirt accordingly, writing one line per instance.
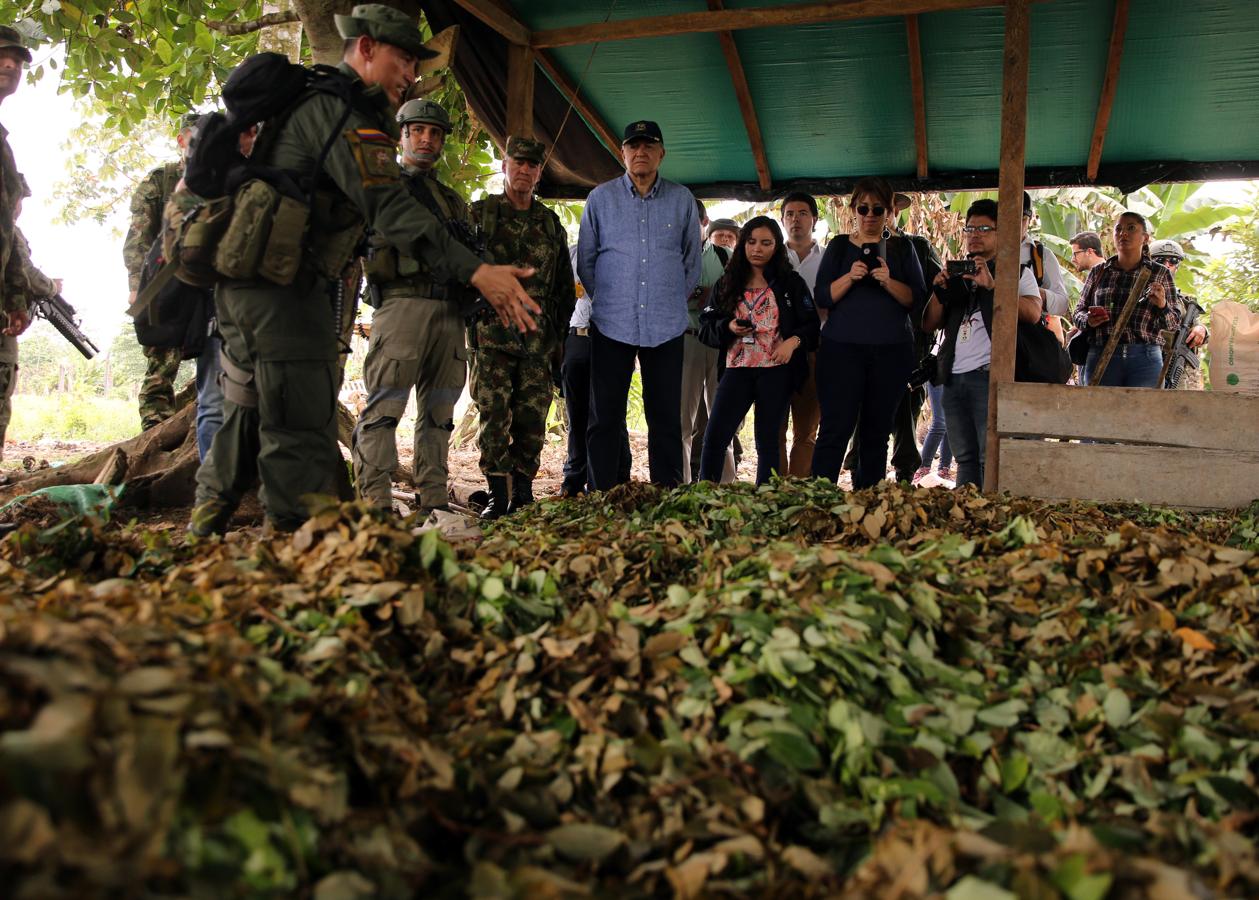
(1138, 358)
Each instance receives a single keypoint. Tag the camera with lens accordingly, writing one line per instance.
(925, 372)
(956, 267)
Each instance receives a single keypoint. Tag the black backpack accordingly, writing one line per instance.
(263, 88)
(179, 315)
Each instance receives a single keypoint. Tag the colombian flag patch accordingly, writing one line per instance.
(372, 134)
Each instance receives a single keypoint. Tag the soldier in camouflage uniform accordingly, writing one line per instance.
(511, 372)
(280, 349)
(157, 391)
(416, 339)
(15, 266)
(1170, 254)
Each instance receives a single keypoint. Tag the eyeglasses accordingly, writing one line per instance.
(978, 229)
(864, 210)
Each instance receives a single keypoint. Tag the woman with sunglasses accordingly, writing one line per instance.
(871, 282)
(1138, 357)
(760, 317)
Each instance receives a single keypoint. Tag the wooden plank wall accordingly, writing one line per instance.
(1193, 449)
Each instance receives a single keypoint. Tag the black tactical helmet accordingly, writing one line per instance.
(425, 111)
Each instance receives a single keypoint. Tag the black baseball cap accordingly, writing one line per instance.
(643, 129)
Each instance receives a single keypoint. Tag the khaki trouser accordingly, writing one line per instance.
(416, 344)
(699, 385)
(279, 405)
(8, 382)
(804, 416)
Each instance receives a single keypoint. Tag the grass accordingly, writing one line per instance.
(72, 418)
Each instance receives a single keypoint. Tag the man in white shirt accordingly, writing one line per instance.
(1044, 266)
(798, 212)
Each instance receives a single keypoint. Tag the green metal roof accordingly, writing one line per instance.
(834, 100)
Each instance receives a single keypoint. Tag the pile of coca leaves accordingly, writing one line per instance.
(712, 691)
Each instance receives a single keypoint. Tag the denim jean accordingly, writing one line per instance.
(770, 389)
(1133, 365)
(937, 435)
(209, 395)
(965, 404)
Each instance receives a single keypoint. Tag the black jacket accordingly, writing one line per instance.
(959, 303)
(797, 317)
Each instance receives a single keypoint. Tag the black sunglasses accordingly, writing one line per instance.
(864, 210)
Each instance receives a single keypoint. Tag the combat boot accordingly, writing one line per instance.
(210, 517)
(499, 503)
(521, 492)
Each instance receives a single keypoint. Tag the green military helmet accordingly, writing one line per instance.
(425, 111)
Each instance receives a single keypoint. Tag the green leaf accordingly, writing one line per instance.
(1002, 715)
(1014, 771)
(1117, 708)
(972, 888)
(585, 842)
(163, 50)
(795, 751)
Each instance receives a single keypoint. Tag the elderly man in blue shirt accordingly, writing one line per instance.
(638, 256)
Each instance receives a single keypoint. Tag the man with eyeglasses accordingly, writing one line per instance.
(1170, 254)
(1086, 251)
(962, 306)
(1044, 266)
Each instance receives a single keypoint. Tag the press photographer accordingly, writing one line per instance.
(961, 304)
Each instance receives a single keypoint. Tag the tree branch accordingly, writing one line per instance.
(266, 21)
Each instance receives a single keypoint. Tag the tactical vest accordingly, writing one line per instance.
(398, 274)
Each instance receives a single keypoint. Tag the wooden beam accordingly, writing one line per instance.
(1165, 476)
(520, 69)
(753, 17)
(499, 19)
(1015, 55)
(587, 112)
(1208, 420)
(744, 95)
(1110, 83)
(920, 93)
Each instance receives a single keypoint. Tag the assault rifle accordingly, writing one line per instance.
(1177, 353)
(63, 318)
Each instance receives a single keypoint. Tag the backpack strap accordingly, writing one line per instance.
(722, 254)
(1038, 262)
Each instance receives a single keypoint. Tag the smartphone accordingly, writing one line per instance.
(745, 323)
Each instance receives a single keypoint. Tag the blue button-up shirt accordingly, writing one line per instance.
(639, 259)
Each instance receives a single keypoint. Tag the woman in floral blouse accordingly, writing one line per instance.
(760, 316)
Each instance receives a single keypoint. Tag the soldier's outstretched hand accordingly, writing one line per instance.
(500, 285)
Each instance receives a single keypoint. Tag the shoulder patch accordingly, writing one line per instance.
(373, 134)
(376, 155)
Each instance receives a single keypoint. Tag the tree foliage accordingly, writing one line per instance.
(139, 65)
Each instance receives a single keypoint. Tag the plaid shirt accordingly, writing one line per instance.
(1108, 285)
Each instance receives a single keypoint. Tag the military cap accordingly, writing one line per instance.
(9, 37)
(642, 130)
(526, 148)
(386, 24)
(423, 111)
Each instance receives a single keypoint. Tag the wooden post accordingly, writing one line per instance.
(919, 92)
(1009, 220)
(743, 93)
(1110, 83)
(520, 69)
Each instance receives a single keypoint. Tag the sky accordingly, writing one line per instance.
(87, 256)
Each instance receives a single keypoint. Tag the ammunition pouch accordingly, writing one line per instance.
(380, 266)
(191, 237)
(237, 384)
(264, 237)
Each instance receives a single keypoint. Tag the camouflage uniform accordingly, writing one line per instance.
(280, 349)
(416, 344)
(511, 372)
(157, 392)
